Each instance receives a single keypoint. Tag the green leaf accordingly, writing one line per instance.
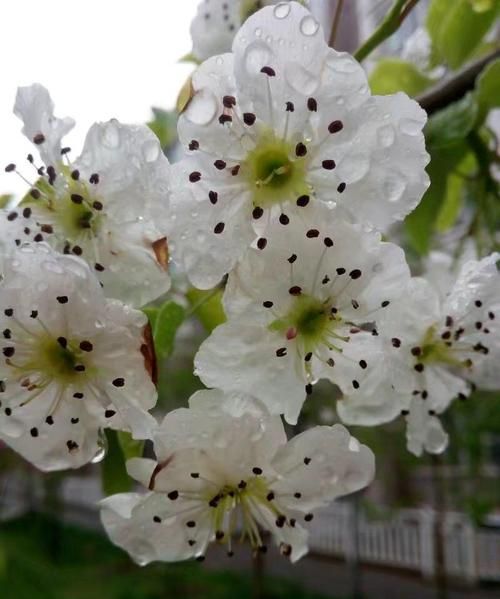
(457, 28)
(207, 306)
(454, 197)
(392, 75)
(113, 471)
(164, 126)
(488, 90)
(452, 124)
(131, 448)
(482, 5)
(169, 318)
(152, 313)
(420, 225)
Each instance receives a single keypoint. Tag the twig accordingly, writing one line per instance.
(454, 88)
(399, 11)
(336, 22)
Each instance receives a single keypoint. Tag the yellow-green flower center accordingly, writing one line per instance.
(70, 206)
(274, 173)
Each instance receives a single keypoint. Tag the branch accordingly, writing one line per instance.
(336, 21)
(456, 87)
(398, 13)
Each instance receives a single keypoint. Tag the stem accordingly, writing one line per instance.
(393, 20)
(454, 88)
(336, 22)
(439, 544)
(205, 299)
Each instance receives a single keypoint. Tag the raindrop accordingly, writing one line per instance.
(394, 187)
(386, 136)
(257, 55)
(300, 79)
(282, 10)
(258, 32)
(309, 26)
(410, 126)
(102, 443)
(111, 135)
(150, 150)
(202, 108)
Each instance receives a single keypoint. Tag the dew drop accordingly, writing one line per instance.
(202, 108)
(258, 32)
(150, 150)
(257, 55)
(394, 187)
(300, 79)
(410, 126)
(282, 10)
(386, 136)
(102, 443)
(111, 135)
(309, 26)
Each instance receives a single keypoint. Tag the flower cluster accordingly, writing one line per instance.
(292, 173)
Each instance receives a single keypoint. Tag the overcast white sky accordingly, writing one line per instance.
(98, 58)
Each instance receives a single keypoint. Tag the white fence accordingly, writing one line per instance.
(402, 540)
(406, 540)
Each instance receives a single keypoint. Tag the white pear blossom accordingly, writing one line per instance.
(304, 304)
(224, 467)
(72, 361)
(279, 124)
(107, 206)
(216, 23)
(436, 348)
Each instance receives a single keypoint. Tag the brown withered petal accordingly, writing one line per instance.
(160, 248)
(149, 355)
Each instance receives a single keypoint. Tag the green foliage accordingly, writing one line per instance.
(164, 126)
(87, 565)
(391, 75)
(488, 90)
(207, 306)
(420, 225)
(114, 475)
(131, 448)
(165, 321)
(452, 124)
(457, 28)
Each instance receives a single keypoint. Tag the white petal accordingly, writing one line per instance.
(424, 431)
(321, 464)
(288, 39)
(238, 356)
(35, 108)
(236, 433)
(129, 521)
(207, 239)
(213, 28)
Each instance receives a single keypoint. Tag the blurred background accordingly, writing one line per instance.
(427, 527)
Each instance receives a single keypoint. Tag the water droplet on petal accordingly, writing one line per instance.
(219, 60)
(150, 150)
(386, 136)
(353, 168)
(111, 135)
(282, 10)
(394, 187)
(410, 126)
(258, 32)
(102, 443)
(257, 55)
(309, 26)
(300, 79)
(202, 108)
(342, 64)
